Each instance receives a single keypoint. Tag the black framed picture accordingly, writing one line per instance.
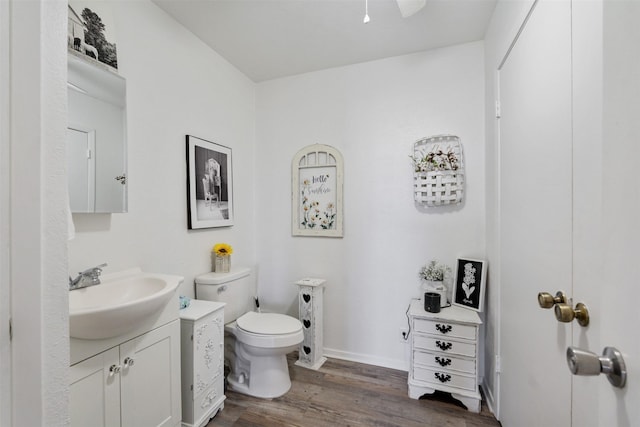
(209, 184)
(468, 291)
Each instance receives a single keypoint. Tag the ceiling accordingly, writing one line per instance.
(268, 39)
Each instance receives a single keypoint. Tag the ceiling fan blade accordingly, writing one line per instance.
(409, 7)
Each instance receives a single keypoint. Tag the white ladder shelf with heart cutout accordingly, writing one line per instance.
(310, 354)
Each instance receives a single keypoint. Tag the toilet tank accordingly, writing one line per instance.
(235, 288)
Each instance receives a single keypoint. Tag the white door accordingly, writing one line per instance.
(535, 218)
(570, 202)
(81, 165)
(606, 123)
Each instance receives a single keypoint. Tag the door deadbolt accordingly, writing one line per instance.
(546, 300)
(566, 314)
(611, 363)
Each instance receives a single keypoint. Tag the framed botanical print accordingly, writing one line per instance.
(469, 287)
(209, 184)
(317, 177)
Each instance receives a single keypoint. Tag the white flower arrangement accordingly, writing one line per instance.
(435, 160)
(434, 271)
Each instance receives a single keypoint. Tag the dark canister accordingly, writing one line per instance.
(432, 302)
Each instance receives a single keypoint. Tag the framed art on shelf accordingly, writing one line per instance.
(469, 287)
(209, 184)
(91, 32)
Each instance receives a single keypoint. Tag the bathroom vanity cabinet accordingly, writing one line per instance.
(202, 331)
(133, 384)
(444, 353)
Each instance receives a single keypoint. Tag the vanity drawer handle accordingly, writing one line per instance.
(444, 346)
(443, 328)
(443, 377)
(442, 361)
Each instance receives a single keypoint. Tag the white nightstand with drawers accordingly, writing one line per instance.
(444, 353)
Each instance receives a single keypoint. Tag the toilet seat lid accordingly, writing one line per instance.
(268, 323)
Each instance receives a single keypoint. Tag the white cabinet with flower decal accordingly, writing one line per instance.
(202, 330)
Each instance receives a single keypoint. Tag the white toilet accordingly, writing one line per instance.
(256, 344)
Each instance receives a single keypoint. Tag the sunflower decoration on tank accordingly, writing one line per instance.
(222, 257)
(222, 249)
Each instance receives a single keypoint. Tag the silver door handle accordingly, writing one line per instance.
(611, 363)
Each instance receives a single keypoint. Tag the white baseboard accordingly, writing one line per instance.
(488, 397)
(367, 359)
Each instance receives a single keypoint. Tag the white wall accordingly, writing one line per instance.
(5, 216)
(33, 220)
(175, 86)
(372, 113)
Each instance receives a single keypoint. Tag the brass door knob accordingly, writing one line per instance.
(566, 314)
(546, 300)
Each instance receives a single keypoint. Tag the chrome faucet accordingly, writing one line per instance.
(89, 277)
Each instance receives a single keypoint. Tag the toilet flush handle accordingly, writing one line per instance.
(222, 289)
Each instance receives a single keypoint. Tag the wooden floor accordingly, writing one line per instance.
(346, 393)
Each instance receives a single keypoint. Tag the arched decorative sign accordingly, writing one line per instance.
(316, 191)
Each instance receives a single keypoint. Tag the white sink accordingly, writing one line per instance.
(120, 303)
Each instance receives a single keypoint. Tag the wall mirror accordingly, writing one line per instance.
(96, 137)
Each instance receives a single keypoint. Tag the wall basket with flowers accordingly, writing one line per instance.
(221, 254)
(438, 170)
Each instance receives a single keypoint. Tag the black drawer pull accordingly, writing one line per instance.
(443, 328)
(442, 361)
(444, 346)
(443, 377)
